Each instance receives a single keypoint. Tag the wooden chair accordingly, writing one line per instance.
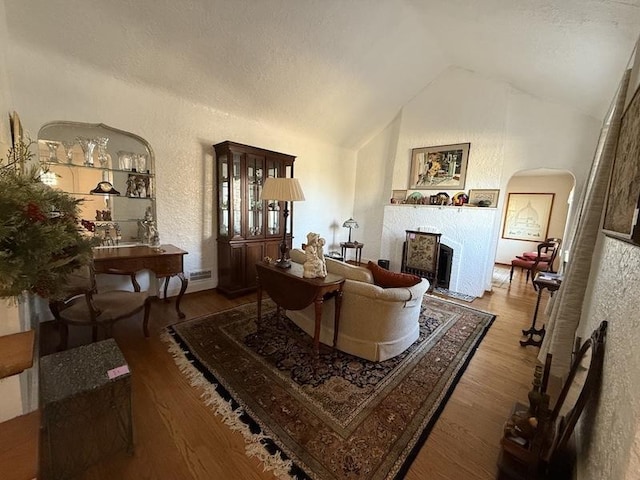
(543, 262)
(547, 253)
(84, 306)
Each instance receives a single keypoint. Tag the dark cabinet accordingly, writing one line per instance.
(249, 228)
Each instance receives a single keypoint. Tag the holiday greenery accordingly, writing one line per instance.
(41, 240)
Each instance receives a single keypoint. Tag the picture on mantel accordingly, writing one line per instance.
(442, 167)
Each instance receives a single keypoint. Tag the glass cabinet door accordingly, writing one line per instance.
(273, 207)
(288, 172)
(223, 195)
(236, 193)
(255, 178)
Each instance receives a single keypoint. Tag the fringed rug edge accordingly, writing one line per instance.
(256, 442)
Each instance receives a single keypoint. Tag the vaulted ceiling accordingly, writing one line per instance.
(338, 70)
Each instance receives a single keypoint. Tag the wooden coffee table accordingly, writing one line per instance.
(291, 291)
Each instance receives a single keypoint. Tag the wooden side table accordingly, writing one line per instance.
(344, 246)
(165, 262)
(291, 291)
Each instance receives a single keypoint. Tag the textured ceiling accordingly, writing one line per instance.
(338, 70)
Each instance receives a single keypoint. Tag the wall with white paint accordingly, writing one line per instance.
(181, 134)
(560, 185)
(10, 398)
(508, 131)
(609, 429)
(373, 187)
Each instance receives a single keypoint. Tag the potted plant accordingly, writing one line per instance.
(41, 240)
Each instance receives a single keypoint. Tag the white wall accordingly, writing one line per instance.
(609, 431)
(373, 187)
(47, 87)
(508, 131)
(458, 107)
(561, 185)
(10, 399)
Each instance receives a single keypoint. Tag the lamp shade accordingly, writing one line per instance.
(351, 223)
(282, 189)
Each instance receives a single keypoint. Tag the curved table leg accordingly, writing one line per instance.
(316, 334)
(134, 282)
(336, 324)
(166, 286)
(183, 289)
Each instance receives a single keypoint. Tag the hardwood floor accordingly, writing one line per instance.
(178, 437)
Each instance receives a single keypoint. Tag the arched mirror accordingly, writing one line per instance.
(581, 385)
(111, 170)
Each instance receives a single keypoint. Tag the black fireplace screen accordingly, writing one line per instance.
(445, 259)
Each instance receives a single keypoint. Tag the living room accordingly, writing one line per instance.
(102, 66)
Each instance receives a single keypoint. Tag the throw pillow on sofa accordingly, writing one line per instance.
(386, 279)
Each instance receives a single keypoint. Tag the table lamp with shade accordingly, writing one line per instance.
(284, 190)
(350, 224)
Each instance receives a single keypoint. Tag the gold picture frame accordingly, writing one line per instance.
(478, 195)
(398, 196)
(442, 167)
(624, 188)
(527, 216)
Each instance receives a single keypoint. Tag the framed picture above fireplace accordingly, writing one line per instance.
(439, 168)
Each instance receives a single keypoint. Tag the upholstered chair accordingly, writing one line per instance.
(84, 306)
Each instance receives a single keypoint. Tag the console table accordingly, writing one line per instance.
(291, 291)
(165, 262)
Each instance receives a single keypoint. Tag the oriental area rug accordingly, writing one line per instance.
(332, 417)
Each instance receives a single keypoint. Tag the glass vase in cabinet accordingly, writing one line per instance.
(111, 171)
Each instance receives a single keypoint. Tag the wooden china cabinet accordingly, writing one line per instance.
(249, 229)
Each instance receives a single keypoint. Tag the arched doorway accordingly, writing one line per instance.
(561, 183)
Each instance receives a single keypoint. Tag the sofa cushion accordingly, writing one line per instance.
(386, 279)
(349, 272)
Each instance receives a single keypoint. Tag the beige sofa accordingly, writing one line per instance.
(375, 323)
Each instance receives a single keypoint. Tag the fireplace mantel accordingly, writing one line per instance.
(472, 232)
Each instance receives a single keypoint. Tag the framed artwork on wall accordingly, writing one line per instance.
(527, 216)
(439, 168)
(484, 197)
(624, 189)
